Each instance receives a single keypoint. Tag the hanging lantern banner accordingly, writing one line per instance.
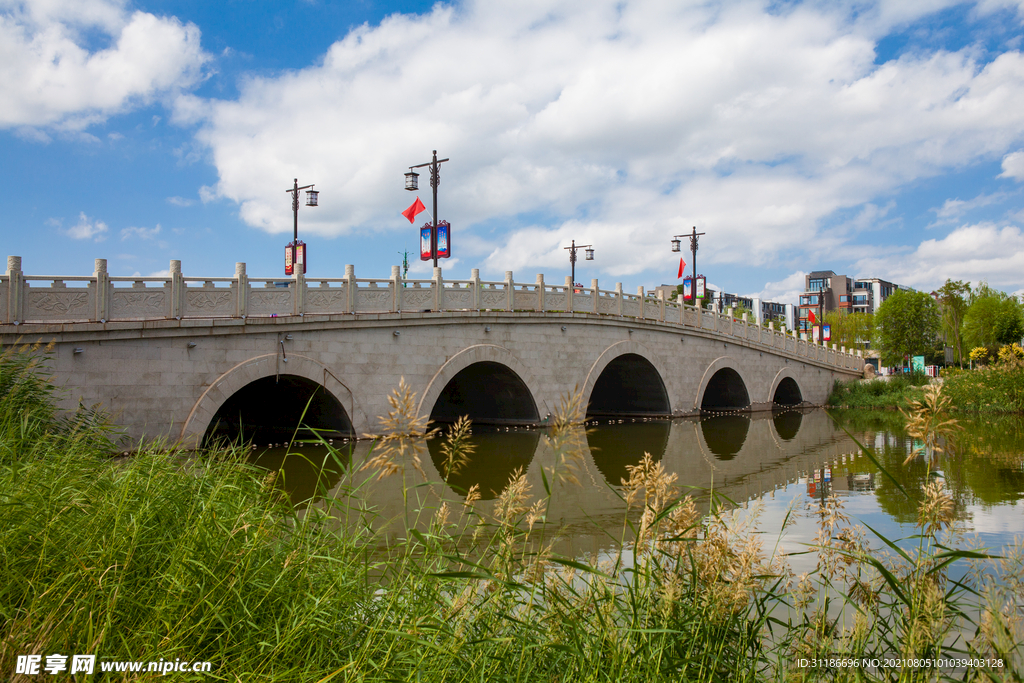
(700, 287)
(444, 242)
(289, 269)
(827, 332)
(687, 288)
(425, 254)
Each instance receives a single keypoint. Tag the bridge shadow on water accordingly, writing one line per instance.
(739, 456)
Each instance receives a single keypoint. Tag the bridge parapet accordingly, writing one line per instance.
(101, 298)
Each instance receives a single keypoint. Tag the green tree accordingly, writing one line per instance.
(851, 330)
(906, 324)
(994, 318)
(954, 300)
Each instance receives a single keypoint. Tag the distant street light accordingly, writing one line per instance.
(295, 253)
(676, 244)
(588, 250)
(412, 184)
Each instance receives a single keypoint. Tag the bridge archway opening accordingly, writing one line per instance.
(787, 393)
(629, 386)
(725, 391)
(725, 434)
(271, 409)
(488, 393)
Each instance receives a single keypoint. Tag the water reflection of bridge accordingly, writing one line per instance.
(739, 456)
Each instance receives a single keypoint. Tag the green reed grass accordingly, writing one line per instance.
(159, 555)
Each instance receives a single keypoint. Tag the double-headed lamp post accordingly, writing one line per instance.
(676, 246)
(588, 250)
(412, 184)
(311, 200)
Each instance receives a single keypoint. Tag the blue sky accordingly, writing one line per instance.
(876, 139)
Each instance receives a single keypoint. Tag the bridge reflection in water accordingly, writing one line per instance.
(740, 456)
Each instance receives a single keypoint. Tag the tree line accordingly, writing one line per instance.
(957, 315)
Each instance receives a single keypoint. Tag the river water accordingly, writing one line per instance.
(779, 464)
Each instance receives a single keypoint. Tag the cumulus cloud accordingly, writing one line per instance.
(87, 229)
(613, 123)
(49, 76)
(982, 251)
(786, 290)
(1013, 166)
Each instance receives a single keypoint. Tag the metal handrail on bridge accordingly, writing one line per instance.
(100, 298)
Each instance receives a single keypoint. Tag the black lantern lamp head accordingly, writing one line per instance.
(311, 197)
(676, 244)
(412, 180)
(590, 253)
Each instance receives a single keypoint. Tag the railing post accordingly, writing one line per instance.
(699, 312)
(15, 290)
(177, 289)
(643, 299)
(299, 300)
(570, 289)
(732, 322)
(661, 305)
(540, 292)
(102, 290)
(475, 298)
(595, 298)
(350, 288)
(242, 285)
(682, 309)
(510, 291)
(396, 289)
(618, 296)
(438, 289)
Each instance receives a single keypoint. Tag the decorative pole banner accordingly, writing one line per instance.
(444, 240)
(687, 288)
(412, 211)
(425, 254)
(700, 287)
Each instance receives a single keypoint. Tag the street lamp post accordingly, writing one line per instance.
(312, 197)
(589, 251)
(676, 246)
(412, 184)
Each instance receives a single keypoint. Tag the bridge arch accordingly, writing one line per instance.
(466, 369)
(722, 386)
(627, 379)
(262, 367)
(785, 390)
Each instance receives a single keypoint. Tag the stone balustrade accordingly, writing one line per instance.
(102, 298)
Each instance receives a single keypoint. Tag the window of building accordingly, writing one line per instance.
(817, 284)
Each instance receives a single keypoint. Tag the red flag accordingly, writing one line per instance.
(814, 321)
(682, 264)
(417, 207)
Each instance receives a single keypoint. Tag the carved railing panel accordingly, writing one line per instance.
(327, 299)
(415, 297)
(140, 302)
(493, 296)
(608, 305)
(270, 300)
(525, 299)
(373, 299)
(208, 301)
(458, 298)
(58, 302)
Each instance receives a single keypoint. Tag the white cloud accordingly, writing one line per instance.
(180, 201)
(87, 228)
(50, 78)
(785, 291)
(983, 251)
(618, 123)
(1013, 166)
(141, 233)
(954, 209)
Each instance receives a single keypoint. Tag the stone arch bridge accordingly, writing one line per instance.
(183, 359)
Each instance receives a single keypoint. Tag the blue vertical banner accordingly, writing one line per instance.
(444, 240)
(687, 288)
(425, 251)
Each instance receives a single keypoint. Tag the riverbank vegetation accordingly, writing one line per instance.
(897, 391)
(159, 556)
